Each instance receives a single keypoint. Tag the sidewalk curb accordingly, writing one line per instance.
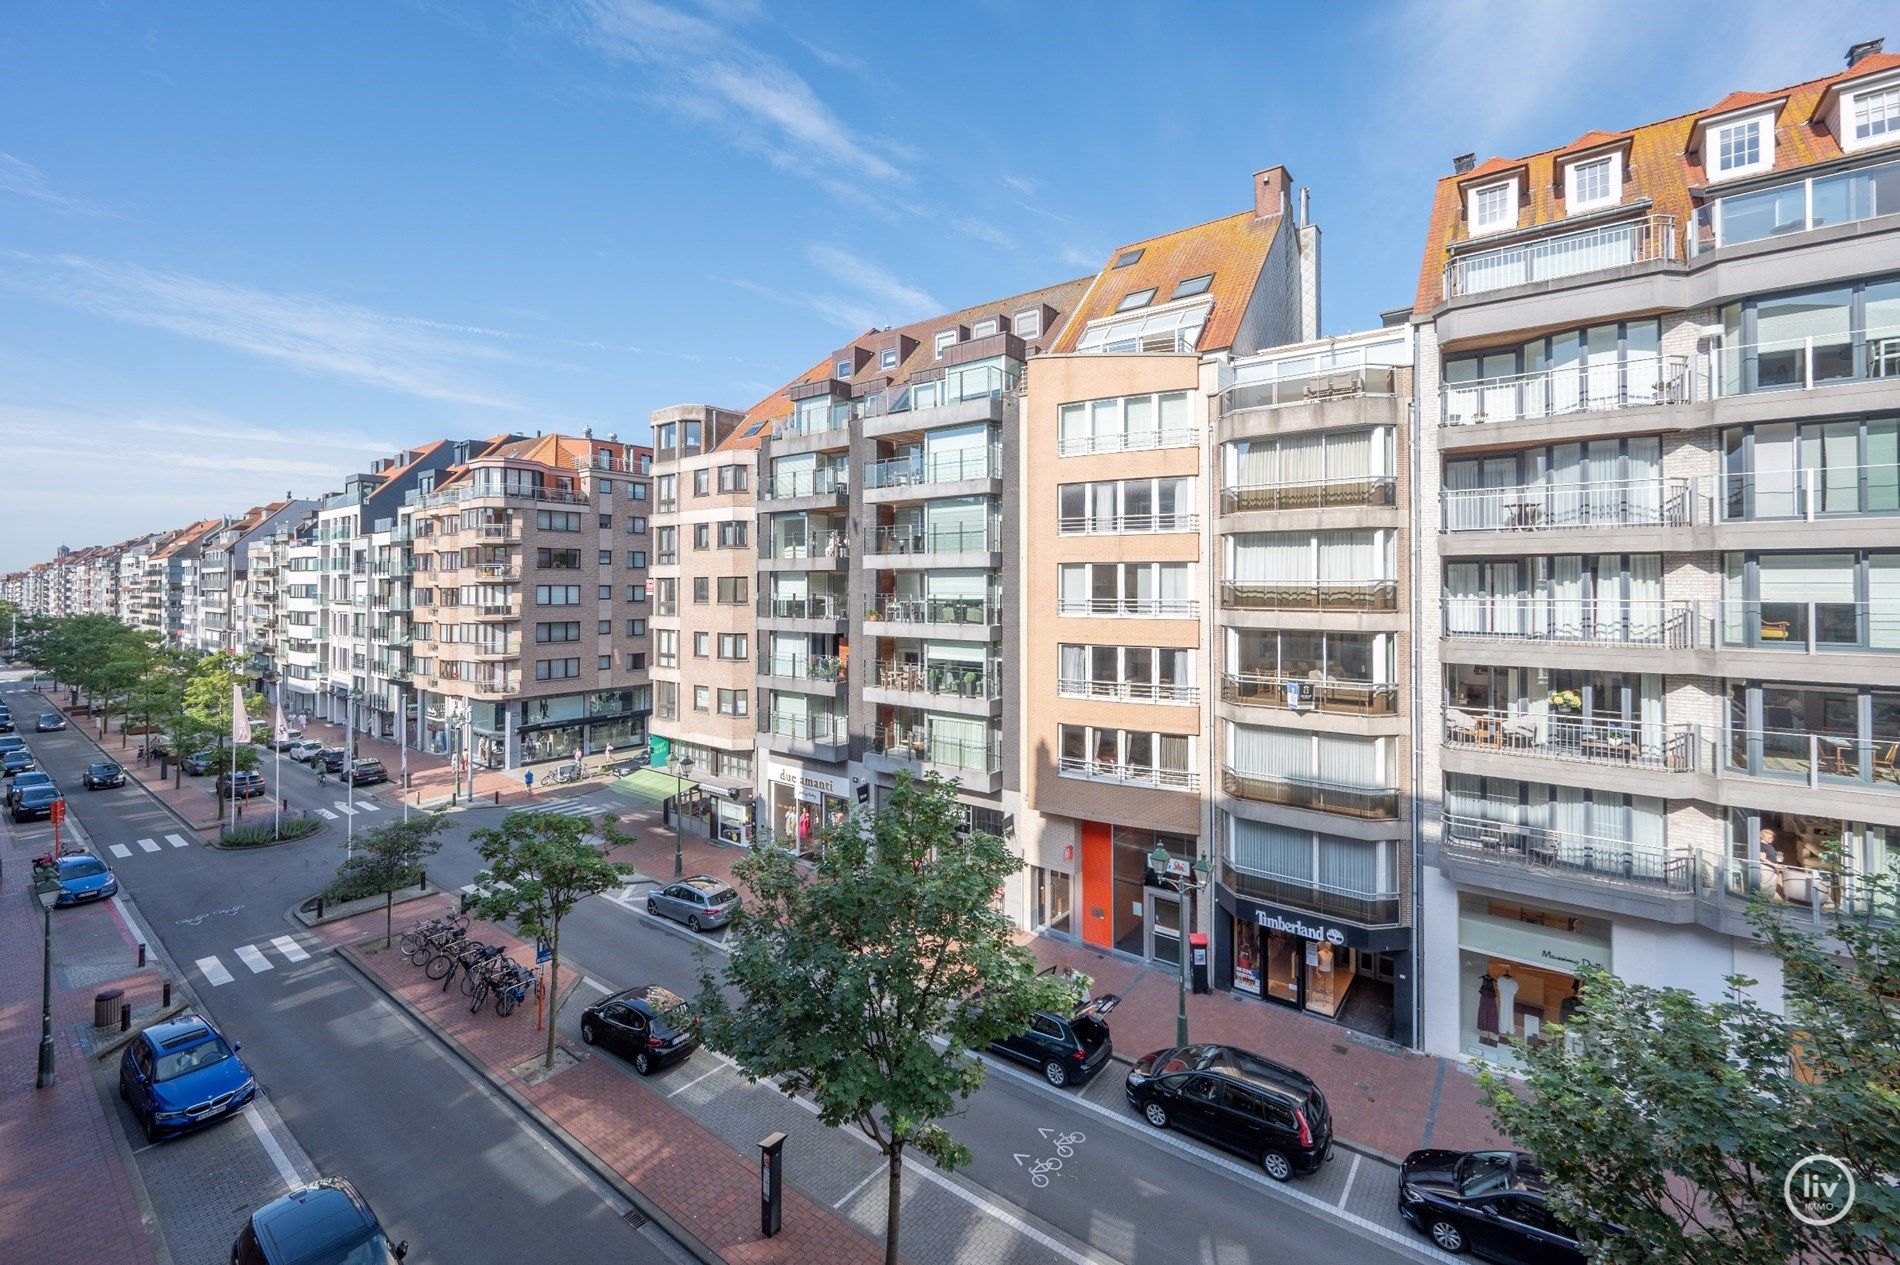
(578, 1153)
(330, 916)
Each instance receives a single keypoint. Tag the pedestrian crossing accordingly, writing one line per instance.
(124, 852)
(345, 809)
(257, 959)
(569, 808)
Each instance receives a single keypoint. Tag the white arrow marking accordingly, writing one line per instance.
(1020, 1157)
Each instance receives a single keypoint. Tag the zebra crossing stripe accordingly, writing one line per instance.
(213, 970)
(121, 851)
(326, 814)
(368, 806)
(177, 841)
(148, 845)
(290, 949)
(345, 809)
(258, 963)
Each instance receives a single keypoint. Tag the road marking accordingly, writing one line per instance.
(851, 1194)
(149, 845)
(368, 806)
(594, 983)
(178, 841)
(326, 814)
(249, 955)
(290, 949)
(689, 1084)
(213, 970)
(345, 809)
(1351, 1174)
(121, 851)
(277, 1157)
(468, 889)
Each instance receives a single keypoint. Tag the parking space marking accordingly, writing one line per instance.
(1351, 1174)
(689, 1084)
(148, 845)
(326, 814)
(249, 955)
(178, 841)
(290, 949)
(120, 851)
(213, 971)
(265, 1139)
(851, 1194)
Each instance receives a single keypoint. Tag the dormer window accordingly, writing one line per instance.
(887, 359)
(945, 338)
(1873, 117)
(1135, 299)
(843, 369)
(983, 328)
(1192, 286)
(1741, 147)
(1494, 207)
(1029, 323)
(1592, 183)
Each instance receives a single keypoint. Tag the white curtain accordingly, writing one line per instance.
(1075, 584)
(1354, 556)
(1883, 593)
(1280, 557)
(1349, 456)
(1807, 577)
(1075, 426)
(1175, 416)
(1105, 424)
(1647, 618)
(1270, 850)
(1176, 582)
(1354, 762)
(1465, 607)
(1074, 663)
(1302, 459)
(1350, 865)
(1282, 754)
(969, 583)
(1643, 476)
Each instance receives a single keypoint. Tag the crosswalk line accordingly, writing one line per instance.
(468, 889)
(345, 809)
(290, 949)
(148, 845)
(120, 850)
(178, 841)
(213, 971)
(368, 806)
(249, 955)
(326, 814)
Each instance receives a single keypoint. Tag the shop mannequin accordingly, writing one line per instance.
(1325, 959)
(791, 823)
(1507, 1002)
(1487, 1009)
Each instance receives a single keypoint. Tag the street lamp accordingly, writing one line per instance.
(349, 767)
(46, 888)
(682, 769)
(1188, 878)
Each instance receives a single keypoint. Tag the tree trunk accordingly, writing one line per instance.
(893, 1203)
(554, 985)
(389, 914)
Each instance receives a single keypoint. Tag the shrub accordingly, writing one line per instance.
(356, 886)
(256, 834)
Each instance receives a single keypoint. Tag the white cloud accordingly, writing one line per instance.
(900, 301)
(23, 178)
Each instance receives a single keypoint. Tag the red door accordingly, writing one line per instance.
(1098, 883)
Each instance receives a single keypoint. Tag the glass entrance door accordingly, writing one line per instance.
(1164, 927)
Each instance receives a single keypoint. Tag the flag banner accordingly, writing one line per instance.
(240, 719)
(281, 730)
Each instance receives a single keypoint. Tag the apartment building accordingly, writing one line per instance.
(529, 560)
(1659, 432)
(302, 635)
(704, 630)
(168, 598)
(224, 574)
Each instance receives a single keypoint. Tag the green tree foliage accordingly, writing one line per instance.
(1679, 1120)
(390, 858)
(539, 866)
(844, 977)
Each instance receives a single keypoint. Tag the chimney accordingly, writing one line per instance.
(1463, 163)
(1865, 49)
(1308, 245)
(1270, 192)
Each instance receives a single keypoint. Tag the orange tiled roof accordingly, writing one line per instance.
(759, 418)
(1662, 169)
(1593, 139)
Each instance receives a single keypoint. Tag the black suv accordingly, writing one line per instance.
(248, 785)
(1069, 1051)
(1488, 1202)
(649, 1024)
(199, 763)
(1239, 1100)
(103, 773)
(367, 773)
(332, 759)
(324, 1224)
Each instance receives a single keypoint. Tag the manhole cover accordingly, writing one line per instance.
(635, 1218)
(1339, 1049)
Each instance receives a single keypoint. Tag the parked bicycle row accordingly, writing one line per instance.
(442, 948)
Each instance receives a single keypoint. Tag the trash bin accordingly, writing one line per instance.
(105, 1007)
(1197, 958)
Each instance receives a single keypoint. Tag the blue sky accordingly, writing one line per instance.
(245, 248)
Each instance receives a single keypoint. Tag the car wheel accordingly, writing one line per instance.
(125, 1095)
(643, 1063)
(1157, 1115)
(587, 1031)
(692, 922)
(1448, 1236)
(1055, 1073)
(151, 1129)
(653, 907)
(1278, 1166)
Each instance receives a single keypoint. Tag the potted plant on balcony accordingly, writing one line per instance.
(1565, 702)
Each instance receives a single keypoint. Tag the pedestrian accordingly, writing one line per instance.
(527, 775)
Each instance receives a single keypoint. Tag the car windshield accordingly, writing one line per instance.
(87, 867)
(193, 1058)
(106, 769)
(720, 895)
(1483, 1172)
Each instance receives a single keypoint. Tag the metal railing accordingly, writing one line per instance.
(1310, 694)
(1816, 758)
(1807, 494)
(1577, 855)
(1569, 506)
(826, 667)
(956, 386)
(917, 745)
(1127, 441)
(1321, 595)
(1135, 607)
(1638, 381)
(1370, 491)
(1381, 803)
(1129, 774)
(920, 470)
(1127, 524)
(1564, 255)
(904, 539)
(827, 727)
(824, 481)
(816, 606)
(1802, 364)
(1374, 909)
(933, 610)
(1128, 691)
(1821, 893)
(825, 544)
(816, 420)
(1172, 342)
(1563, 619)
(502, 571)
(1799, 206)
(1322, 384)
(950, 680)
(1553, 736)
(492, 610)
(1811, 627)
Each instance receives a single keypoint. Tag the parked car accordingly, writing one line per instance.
(84, 878)
(324, 1224)
(1487, 1202)
(11, 742)
(303, 751)
(182, 1073)
(650, 1025)
(702, 902)
(1237, 1100)
(199, 763)
(6, 722)
(35, 803)
(332, 758)
(249, 785)
(286, 742)
(101, 774)
(367, 773)
(1069, 1051)
(21, 781)
(49, 722)
(20, 761)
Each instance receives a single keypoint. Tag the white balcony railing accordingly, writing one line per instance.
(1131, 607)
(1129, 774)
(1127, 524)
(1569, 506)
(1128, 691)
(1808, 493)
(1639, 381)
(1564, 619)
(1564, 255)
(1577, 739)
(1127, 441)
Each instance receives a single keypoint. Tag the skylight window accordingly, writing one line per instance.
(1128, 257)
(1192, 286)
(1138, 298)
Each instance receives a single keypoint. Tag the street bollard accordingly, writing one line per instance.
(125, 1017)
(166, 997)
(141, 953)
(498, 799)
(425, 878)
(319, 909)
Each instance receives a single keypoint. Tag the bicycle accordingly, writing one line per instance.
(483, 965)
(435, 942)
(509, 995)
(412, 939)
(501, 975)
(443, 965)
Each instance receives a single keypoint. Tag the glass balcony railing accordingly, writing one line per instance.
(950, 467)
(1550, 736)
(1811, 627)
(1808, 493)
(1370, 491)
(813, 606)
(1372, 909)
(821, 482)
(1563, 619)
(1324, 384)
(956, 386)
(1838, 355)
(947, 679)
(1129, 774)
(827, 667)
(1128, 691)
(1590, 857)
(1816, 758)
(1800, 206)
(825, 727)
(829, 545)
(1569, 506)
(933, 610)
(1310, 595)
(1563, 255)
(1636, 381)
(1373, 802)
(905, 539)
(920, 745)
(1820, 893)
(1310, 694)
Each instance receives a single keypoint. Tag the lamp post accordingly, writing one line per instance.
(1185, 884)
(46, 888)
(453, 714)
(349, 768)
(682, 768)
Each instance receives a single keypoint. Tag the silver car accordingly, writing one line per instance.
(702, 902)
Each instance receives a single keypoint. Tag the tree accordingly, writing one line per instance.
(845, 979)
(391, 856)
(541, 865)
(1680, 1120)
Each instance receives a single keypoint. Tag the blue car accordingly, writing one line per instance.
(20, 761)
(84, 878)
(182, 1073)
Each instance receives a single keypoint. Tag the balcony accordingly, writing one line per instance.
(1127, 524)
(1368, 909)
(904, 540)
(494, 572)
(818, 606)
(497, 531)
(1841, 760)
(1323, 595)
(936, 612)
(1371, 803)
(1837, 358)
(1310, 694)
(1800, 206)
(1811, 627)
(1569, 506)
(823, 549)
(1670, 625)
(1130, 607)
(831, 482)
(1329, 384)
(494, 685)
(920, 471)
(824, 669)
(813, 736)
(1810, 894)
(917, 746)
(1372, 492)
(491, 610)
(1664, 748)
(1808, 494)
(1128, 774)
(1616, 245)
(1128, 691)
(946, 680)
(1541, 853)
(1566, 391)
(1128, 441)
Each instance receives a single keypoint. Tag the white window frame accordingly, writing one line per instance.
(985, 327)
(1574, 200)
(1712, 146)
(1506, 221)
(843, 368)
(1027, 323)
(942, 339)
(1851, 102)
(887, 359)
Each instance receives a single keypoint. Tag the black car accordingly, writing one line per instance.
(49, 722)
(6, 722)
(332, 758)
(101, 774)
(325, 1224)
(23, 782)
(1238, 1100)
(11, 742)
(1487, 1202)
(367, 773)
(199, 763)
(249, 785)
(36, 802)
(286, 741)
(1069, 1051)
(650, 1025)
(20, 761)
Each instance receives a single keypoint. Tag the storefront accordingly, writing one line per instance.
(1517, 969)
(1126, 905)
(800, 802)
(1358, 976)
(563, 727)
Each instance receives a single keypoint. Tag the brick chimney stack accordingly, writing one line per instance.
(1270, 192)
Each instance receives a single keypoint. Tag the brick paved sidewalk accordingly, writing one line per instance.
(690, 1174)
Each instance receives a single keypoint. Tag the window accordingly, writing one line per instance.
(734, 535)
(669, 491)
(1135, 299)
(702, 481)
(1494, 207)
(605, 593)
(606, 557)
(636, 662)
(1129, 424)
(557, 594)
(702, 535)
(702, 698)
(636, 526)
(1127, 505)
(732, 645)
(732, 590)
(557, 632)
(638, 491)
(702, 588)
(605, 663)
(734, 702)
(1152, 589)
(636, 559)
(1876, 114)
(1029, 324)
(983, 328)
(556, 669)
(557, 520)
(1129, 257)
(1192, 286)
(636, 592)
(636, 628)
(945, 338)
(842, 369)
(605, 628)
(732, 478)
(702, 645)
(1591, 184)
(666, 647)
(664, 435)
(606, 486)
(1738, 148)
(558, 559)
(606, 520)
(887, 359)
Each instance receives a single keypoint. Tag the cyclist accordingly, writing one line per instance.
(323, 771)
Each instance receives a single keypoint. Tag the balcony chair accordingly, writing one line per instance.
(1775, 629)
(1887, 762)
